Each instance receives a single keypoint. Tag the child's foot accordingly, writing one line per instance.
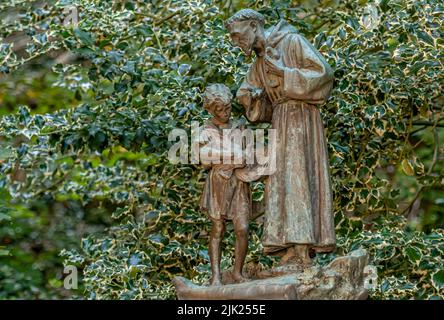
(239, 278)
(215, 282)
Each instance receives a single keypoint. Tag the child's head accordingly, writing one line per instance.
(217, 101)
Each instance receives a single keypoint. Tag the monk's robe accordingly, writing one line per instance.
(298, 196)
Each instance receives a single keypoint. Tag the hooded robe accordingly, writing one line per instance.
(298, 196)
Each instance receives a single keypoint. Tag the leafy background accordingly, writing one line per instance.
(86, 111)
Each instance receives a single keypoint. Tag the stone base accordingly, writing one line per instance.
(342, 279)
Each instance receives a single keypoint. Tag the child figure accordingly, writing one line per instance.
(225, 197)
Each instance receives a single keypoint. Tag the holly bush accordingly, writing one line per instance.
(138, 72)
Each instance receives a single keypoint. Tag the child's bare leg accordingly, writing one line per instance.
(240, 225)
(216, 236)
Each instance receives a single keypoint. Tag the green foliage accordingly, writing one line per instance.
(31, 240)
(144, 66)
(35, 90)
(409, 263)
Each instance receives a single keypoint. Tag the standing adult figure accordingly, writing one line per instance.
(285, 84)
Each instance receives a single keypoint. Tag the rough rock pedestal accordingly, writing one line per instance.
(342, 279)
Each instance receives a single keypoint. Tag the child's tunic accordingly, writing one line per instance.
(224, 195)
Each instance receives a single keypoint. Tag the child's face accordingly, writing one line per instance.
(222, 111)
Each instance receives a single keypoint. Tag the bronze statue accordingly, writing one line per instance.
(225, 197)
(284, 85)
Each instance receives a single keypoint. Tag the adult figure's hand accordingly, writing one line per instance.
(273, 67)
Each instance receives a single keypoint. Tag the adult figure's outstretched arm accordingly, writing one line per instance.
(253, 97)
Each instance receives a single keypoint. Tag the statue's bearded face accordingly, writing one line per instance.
(243, 35)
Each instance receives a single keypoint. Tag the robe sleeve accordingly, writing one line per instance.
(256, 110)
(307, 76)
